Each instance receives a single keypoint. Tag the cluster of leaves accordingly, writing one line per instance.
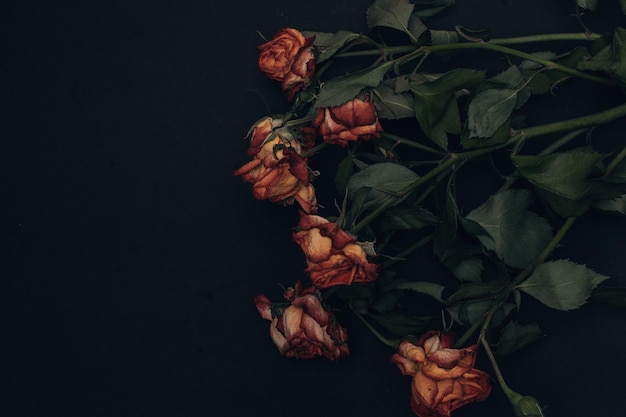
(499, 250)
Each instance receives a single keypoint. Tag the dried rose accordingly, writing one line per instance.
(288, 58)
(304, 329)
(348, 122)
(333, 257)
(444, 379)
(277, 171)
(277, 55)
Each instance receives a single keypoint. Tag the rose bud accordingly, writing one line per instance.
(348, 122)
(333, 257)
(304, 329)
(444, 379)
(277, 171)
(277, 56)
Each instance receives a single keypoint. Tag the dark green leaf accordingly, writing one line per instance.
(382, 180)
(514, 233)
(391, 104)
(611, 59)
(561, 284)
(405, 217)
(515, 336)
(475, 290)
(489, 110)
(616, 205)
(464, 261)
(613, 296)
(393, 14)
(345, 169)
(587, 4)
(429, 8)
(468, 313)
(442, 37)
(342, 89)
(622, 3)
(436, 107)
(562, 179)
(446, 230)
(423, 287)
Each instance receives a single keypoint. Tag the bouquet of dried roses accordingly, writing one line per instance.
(396, 192)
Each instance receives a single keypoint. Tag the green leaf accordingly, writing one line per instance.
(616, 205)
(473, 290)
(587, 4)
(327, 43)
(514, 233)
(622, 3)
(561, 284)
(562, 173)
(391, 104)
(429, 8)
(489, 110)
(383, 179)
(562, 179)
(611, 59)
(515, 336)
(423, 287)
(445, 233)
(393, 14)
(468, 313)
(436, 107)
(345, 169)
(339, 90)
(405, 217)
(613, 296)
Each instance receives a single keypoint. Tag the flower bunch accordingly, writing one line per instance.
(398, 193)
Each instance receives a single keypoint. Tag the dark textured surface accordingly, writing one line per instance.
(134, 253)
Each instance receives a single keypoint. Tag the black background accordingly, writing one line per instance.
(134, 254)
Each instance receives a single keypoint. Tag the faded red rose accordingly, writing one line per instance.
(349, 122)
(304, 329)
(444, 379)
(277, 171)
(333, 256)
(288, 58)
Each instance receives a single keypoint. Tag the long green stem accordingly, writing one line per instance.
(576, 123)
(388, 342)
(496, 369)
(547, 37)
(392, 50)
(411, 143)
(520, 54)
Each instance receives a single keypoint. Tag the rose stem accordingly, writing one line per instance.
(414, 247)
(411, 143)
(496, 369)
(514, 52)
(620, 156)
(390, 50)
(388, 342)
(548, 150)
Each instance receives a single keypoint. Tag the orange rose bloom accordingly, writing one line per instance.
(304, 329)
(288, 58)
(278, 172)
(333, 257)
(444, 379)
(351, 121)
